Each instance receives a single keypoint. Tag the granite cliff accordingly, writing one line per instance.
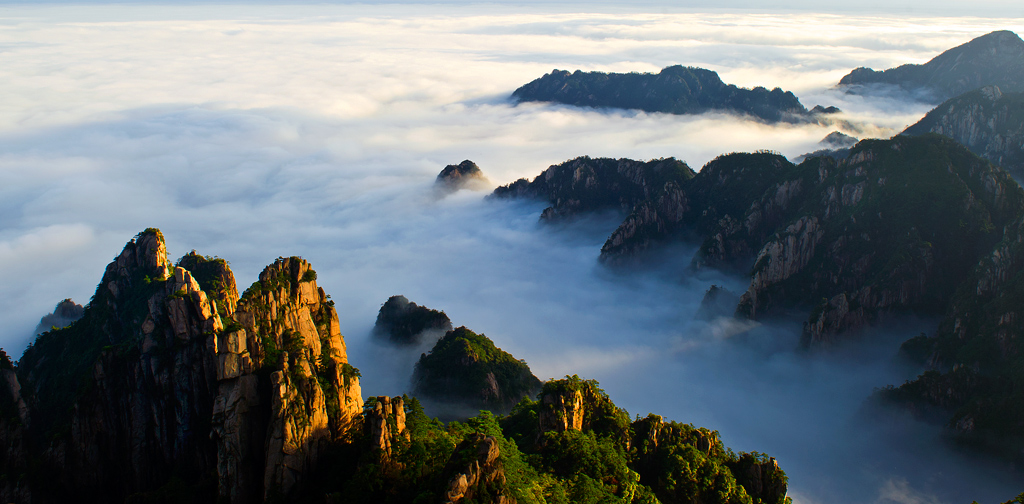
(987, 121)
(165, 386)
(895, 227)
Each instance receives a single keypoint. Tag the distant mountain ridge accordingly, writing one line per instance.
(674, 90)
(995, 59)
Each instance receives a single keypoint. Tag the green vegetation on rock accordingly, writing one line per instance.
(466, 368)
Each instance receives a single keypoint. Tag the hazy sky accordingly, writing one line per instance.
(257, 131)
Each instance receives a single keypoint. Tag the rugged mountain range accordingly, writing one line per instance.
(987, 121)
(587, 184)
(911, 225)
(172, 388)
(674, 90)
(995, 59)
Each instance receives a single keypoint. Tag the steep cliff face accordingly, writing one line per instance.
(482, 475)
(585, 184)
(987, 121)
(734, 203)
(976, 362)
(292, 334)
(384, 424)
(137, 378)
(674, 90)
(893, 227)
(170, 379)
(995, 59)
(14, 441)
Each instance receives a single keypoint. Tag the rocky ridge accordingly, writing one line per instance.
(586, 184)
(995, 59)
(674, 90)
(827, 229)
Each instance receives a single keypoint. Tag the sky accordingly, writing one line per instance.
(253, 131)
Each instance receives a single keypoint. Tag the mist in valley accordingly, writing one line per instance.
(318, 131)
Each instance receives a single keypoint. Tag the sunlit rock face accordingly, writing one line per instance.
(162, 383)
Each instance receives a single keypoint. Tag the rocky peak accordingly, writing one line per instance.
(66, 312)
(384, 421)
(996, 58)
(403, 322)
(216, 279)
(463, 175)
(145, 255)
(466, 369)
(292, 331)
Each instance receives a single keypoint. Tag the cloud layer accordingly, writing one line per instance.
(253, 132)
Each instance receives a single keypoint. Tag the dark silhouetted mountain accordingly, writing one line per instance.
(403, 322)
(995, 59)
(674, 90)
(987, 121)
(586, 184)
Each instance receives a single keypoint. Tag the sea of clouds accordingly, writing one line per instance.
(252, 132)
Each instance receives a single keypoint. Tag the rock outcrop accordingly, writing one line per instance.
(66, 312)
(987, 121)
(384, 423)
(586, 185)
(292, 332)
(465, 175)
(995, 59)
(482, 474)
(674, 90)
(402, 322)
(466, 368)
